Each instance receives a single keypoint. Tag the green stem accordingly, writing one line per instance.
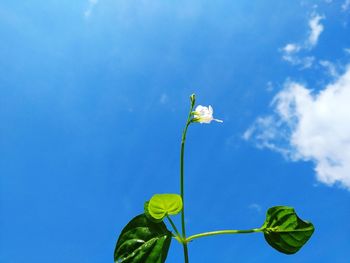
(175, 229)
(182, 190)
(223, 232)
(185, 251)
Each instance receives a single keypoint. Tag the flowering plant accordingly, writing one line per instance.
(146, 238)
(204, 114)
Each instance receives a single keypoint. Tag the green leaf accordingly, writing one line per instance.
(143, 241)
(148, 214)
(285, 231)
(162, 205)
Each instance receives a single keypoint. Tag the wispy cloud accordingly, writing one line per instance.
(164, 98)
(330, 67)
(295, 60)
(292, 48)
(310, 127)
(346, 5)
(90, 7)
(316, 28)
(291, 51)
(269, 86)
(255, 207)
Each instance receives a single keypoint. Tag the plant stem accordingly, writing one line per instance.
(175, 229)
(222, 232)
(185, 251)
(182, 190)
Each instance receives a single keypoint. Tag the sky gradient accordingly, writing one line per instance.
(94, 95)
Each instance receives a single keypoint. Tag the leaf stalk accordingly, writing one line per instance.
(223, 232)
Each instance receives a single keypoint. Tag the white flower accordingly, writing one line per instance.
(204, 114)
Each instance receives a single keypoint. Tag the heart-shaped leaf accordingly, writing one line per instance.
(143, 241)
(285, 231)
(162, 205)
(149, 215)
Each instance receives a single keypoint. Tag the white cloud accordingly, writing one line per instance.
(345, 6)
(347, 50)
(290, 52)
(316, 28)
(91, 6)
(330, 67)
(295, 60)
(266, 133)
(310, 127)
(291, 48)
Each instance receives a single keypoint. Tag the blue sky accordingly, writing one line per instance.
(94, 96)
